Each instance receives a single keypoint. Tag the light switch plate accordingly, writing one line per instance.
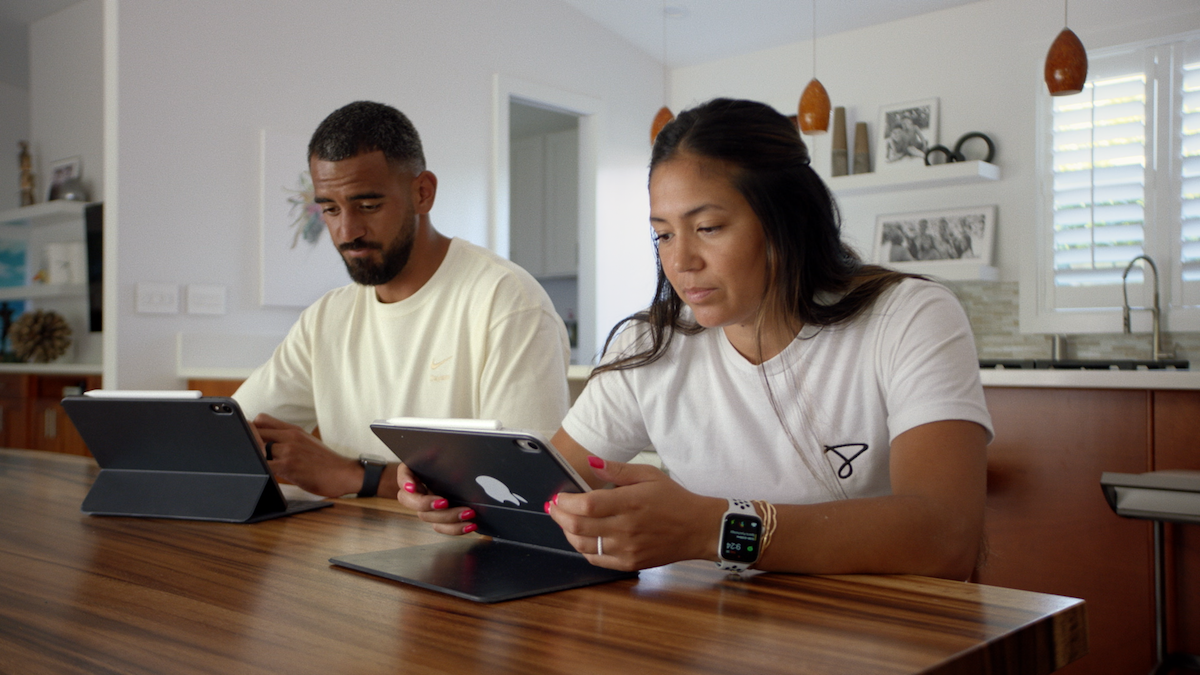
(155, 298)
(205, 299)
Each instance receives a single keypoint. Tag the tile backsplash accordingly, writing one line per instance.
(994, 313)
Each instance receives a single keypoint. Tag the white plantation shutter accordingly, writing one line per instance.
(1099, 173)
(1190, 172)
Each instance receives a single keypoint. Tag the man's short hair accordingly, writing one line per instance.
(366, 126)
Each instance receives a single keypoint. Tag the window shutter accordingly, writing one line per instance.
(1190, 169)
(1099, 169)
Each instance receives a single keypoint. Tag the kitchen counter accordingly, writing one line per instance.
(1091, 379)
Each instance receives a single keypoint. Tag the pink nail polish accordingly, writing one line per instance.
(595, 462)
(409, 487)
(466, 515)
(555, 500)
(470, 527)
(546, 507)
(440, 503)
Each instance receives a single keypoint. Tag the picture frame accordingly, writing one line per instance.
(923, 241)
(62, 171)
(905, 132)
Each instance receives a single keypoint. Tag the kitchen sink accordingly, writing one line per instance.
(1085, 364)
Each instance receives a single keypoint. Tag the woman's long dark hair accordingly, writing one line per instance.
(806, 258)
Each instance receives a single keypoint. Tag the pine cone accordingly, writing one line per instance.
(40, 336)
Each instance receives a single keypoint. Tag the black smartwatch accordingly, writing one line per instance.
(372, 471)
(741, 537)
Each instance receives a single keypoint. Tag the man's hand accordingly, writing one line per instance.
(299, 457)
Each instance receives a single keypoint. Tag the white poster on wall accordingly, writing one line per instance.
(299, 263)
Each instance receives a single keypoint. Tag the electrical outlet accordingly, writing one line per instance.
(157, 298)
(205, 299)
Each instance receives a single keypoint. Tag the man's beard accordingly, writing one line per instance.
(393, 259)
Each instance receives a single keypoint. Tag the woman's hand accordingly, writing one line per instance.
(432, 508)
(647, 520)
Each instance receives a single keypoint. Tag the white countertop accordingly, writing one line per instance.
(1091, 379)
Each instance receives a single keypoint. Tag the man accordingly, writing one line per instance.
(432, 326)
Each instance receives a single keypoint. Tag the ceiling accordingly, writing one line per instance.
(698, 31)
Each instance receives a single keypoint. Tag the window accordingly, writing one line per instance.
(1120, 169)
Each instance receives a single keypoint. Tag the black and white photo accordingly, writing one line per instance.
(924, 238)
(906, 131)
(62, 171)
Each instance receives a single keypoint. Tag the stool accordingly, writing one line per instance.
(1158, 496)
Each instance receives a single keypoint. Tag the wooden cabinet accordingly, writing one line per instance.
(1177, 446)
(1048, 526)
(33, 418)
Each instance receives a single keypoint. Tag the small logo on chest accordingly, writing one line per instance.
(847, 452)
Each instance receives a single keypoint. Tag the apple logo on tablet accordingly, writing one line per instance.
(499, 491)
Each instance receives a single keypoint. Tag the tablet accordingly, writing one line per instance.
(506, 476)
(176, 455)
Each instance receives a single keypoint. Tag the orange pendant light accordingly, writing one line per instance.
(1066, 62)
(663, 117)
(814, 109)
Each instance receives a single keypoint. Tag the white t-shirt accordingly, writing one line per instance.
(845, 391)
(479, 340)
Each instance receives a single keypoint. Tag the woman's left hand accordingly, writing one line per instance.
(647, 520)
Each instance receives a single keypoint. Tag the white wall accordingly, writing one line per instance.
(66, 90)
(982, 60)
(14, 127)
(197, 83)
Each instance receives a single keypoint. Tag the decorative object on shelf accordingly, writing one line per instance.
(40, 336)
(664, 115)
(958, 154)
(72, 190)
(840, 161)
(66, 263)
(1066, 62)
(814, 102)
(922, 240)
(906, 131)
(61, 172)
(25, 163)
(862, 149)
(12, 262)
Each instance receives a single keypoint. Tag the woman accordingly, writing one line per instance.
(773, 366)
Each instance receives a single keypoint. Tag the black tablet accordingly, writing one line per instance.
(506, 476)
(176, 455)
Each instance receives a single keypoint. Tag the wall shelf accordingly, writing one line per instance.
(45, 213)
(43, 291)
(914, 178)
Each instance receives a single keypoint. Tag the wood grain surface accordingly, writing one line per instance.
(85, 594)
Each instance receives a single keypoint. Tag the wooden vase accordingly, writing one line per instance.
(840, 162)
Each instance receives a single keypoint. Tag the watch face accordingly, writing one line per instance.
(740, 535)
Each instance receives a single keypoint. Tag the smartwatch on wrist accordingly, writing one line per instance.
(741, 537)
(372, 471)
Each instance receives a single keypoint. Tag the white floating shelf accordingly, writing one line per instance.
(44, 213)
(43, 291)
(917, 177)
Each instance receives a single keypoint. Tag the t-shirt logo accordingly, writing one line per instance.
(848, 452)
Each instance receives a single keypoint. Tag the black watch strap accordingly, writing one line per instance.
(372, 472)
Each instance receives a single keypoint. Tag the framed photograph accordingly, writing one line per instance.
(919, 242)
(299, 262)
(905, 132)
(62, 171)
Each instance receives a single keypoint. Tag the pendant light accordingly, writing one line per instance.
(1066, 62)
(814, 102)
(664, 115)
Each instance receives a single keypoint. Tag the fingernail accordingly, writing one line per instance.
(440, 503)
(466, 515)
(470, 527)
(555, 500)
(409, 487)
(546, 507)
(595, 462)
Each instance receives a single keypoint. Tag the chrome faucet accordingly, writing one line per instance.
(1155, 311)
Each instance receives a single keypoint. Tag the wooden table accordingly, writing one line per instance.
(85, 594)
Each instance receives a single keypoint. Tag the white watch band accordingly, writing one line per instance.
(737, 507)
